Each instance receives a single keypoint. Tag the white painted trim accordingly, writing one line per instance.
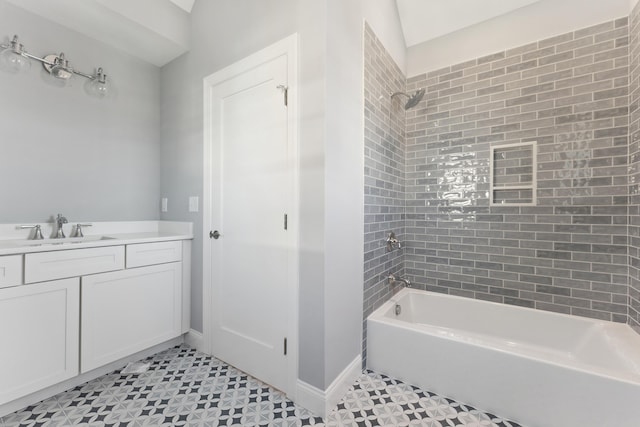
(186, 286)
(320, 402)
(46, 393)
(194, 339)
(311, 398)
(289, 47)
(339, 387)
(207, 224)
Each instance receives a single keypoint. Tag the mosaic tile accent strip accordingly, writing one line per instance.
(634, 168)
(568, 254)
(186, 388)
(383, 174)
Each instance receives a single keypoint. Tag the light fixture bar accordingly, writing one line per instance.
(57, 65)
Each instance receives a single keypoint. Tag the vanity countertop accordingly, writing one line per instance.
(101, 234)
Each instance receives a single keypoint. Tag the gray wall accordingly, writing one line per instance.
(217, 41)
(223, 33)
(62, 151)
(330, 152)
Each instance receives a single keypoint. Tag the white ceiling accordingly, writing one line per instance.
(163, 35)
(423, 20)
(126, 25)
(185, 5)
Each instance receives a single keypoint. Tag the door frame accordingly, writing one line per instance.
(286, 47)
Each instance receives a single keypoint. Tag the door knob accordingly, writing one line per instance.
(214, 234)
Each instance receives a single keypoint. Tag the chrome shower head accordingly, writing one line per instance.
(413, 100)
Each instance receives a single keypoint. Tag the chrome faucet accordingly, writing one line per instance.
(60, 221)
(393, 280)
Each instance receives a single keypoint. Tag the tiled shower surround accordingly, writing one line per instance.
(568, 253)
(634, 169)
(384, 181)
(577, 250)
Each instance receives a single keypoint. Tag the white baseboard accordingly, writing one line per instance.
(311, 398)
(194, 339)
(321, 402)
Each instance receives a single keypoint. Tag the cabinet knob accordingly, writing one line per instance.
(214, 234)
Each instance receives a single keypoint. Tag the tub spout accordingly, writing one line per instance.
(393, 280)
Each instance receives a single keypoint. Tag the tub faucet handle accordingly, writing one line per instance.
(392, 242)
(406, 281)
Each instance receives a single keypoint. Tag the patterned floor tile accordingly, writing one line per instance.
(378, 400)
(186, 388)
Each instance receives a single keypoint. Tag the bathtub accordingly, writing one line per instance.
(538, 368)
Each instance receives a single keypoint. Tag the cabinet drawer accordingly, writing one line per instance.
(42, 266)
(10, 270)
(142, 254)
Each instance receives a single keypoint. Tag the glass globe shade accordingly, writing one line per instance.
(14, 62)
(98, 87)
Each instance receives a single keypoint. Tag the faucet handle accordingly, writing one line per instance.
(37, 235)
(79, 229)
(392, 242)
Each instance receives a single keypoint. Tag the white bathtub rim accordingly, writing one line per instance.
(495, 344)
(404, 291)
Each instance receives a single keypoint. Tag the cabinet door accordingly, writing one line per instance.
(128, 311)
(10, 271)
(39, 333)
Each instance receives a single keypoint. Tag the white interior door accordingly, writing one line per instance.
(252, 191)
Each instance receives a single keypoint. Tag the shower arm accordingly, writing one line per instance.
(394, 94)
(412, 100)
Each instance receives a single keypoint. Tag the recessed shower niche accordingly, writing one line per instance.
(513, 174)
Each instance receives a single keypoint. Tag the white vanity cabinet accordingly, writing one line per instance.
(10, 270)
(129, 310)
(72, 309)
(39, 326)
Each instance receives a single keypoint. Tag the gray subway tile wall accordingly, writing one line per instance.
(577, 250)
(384, 156)
(568, 253)
(634, 168)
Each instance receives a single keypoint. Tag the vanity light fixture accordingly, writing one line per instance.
(15, 59)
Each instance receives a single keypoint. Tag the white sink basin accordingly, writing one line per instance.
(66, 241)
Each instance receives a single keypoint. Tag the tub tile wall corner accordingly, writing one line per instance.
(384, 172)
(634, 168)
